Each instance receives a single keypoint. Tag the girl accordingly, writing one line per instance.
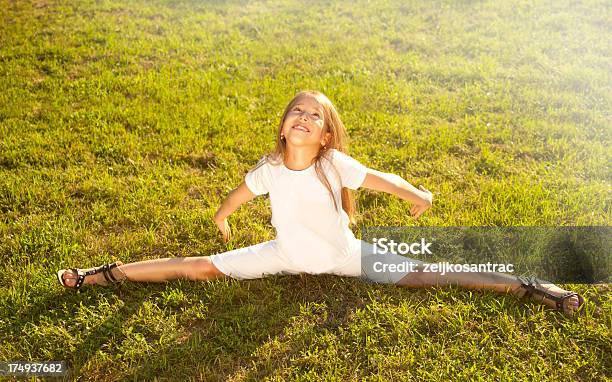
(308, 178)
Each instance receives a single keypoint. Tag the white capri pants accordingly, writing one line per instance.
(265, 259)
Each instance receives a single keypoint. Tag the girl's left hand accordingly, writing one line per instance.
(427, 199)
(224, 227)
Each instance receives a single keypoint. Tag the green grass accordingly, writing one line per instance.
(123, 125)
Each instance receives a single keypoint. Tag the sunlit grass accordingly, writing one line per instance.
(123, 126)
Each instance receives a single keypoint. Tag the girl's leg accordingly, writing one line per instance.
(497, 282)
(244, 263)
(159, 270)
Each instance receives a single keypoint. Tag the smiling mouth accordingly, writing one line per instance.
(301, 128)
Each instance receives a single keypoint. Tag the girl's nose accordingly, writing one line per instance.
(306, 115)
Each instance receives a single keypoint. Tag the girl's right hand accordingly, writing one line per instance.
(224, 227)
(425, 203)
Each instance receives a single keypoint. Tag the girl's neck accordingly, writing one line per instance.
(299, 158)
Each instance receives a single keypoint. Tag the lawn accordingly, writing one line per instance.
(123, 125)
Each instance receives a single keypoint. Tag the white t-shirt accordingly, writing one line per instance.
(310, 232)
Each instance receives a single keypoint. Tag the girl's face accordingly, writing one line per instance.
(304, 123)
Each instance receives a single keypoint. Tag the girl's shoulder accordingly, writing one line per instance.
(334, 156)
(344, 162)
(339, 161)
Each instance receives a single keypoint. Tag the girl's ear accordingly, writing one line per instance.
(326, 139)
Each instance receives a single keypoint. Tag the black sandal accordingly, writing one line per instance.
(533, 287)
(81, 275)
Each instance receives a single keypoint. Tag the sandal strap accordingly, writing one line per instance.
(111, 278)
(567, 295)
(527, 284)
(105, 269)
(80, 277)
(94, 271)
(105, 273)
(530, 284)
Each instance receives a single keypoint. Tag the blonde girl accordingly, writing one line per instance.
(309, 177)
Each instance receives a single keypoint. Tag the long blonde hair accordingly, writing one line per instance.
(337, 140)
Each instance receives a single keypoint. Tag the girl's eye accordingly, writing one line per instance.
(299, 109)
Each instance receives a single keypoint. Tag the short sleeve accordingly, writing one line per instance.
(258, 179)
(352, 173)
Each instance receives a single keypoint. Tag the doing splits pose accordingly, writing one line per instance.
(308, 177)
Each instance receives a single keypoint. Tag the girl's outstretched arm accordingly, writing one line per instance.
(235, 199)
(395, 185)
